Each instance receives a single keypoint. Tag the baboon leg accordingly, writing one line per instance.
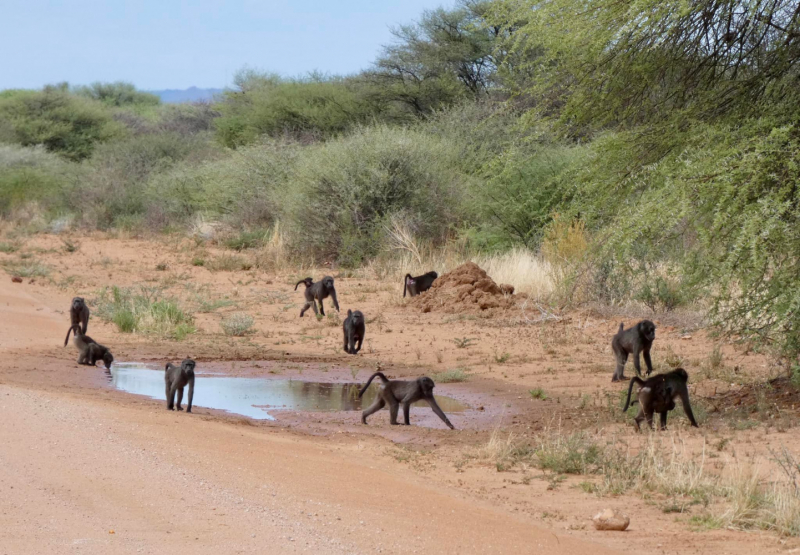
(435, 406)
(663, 416)
(394, 408)
(377, 405)
(335, 301)
(191, 395)
(406, 411)
(637, 364)
(638, 419)
(619, 372)
(306, 307)
(321, 310)
(166, 394)
(171, 398)
(649, 416)
(180, 398)
(346, 347)
(687, 408)
(647, 361)
(360, 341)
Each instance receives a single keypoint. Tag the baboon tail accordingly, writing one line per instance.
(405, 283)
(66, 339)
(634, 379)
(298, 283)
(621, 327)
(383, 378)
(349, 313)
(168, 366)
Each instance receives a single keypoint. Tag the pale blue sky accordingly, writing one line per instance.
(160, 44)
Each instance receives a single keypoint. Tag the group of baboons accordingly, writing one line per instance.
(656, 394)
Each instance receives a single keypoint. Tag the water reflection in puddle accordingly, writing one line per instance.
(253, 397)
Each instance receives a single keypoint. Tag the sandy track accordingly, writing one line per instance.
(87, 475)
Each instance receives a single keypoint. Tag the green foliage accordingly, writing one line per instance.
(118, 94)
(30, 175)
(348, 189)
(451, 376)
(316, 107)
(144, 312)
(445, 57)
(247, 240)
(64, 123)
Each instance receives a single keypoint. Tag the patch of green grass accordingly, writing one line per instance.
(8, 248)
(144, 311)
(500, 359)
(237, 324)
(69, 246)
(538, 393)
(228, 263)
(705, 522)
(247, 240)
(210, 306)
(161, 267)
(197, 261)
(450, 376)
(572, 454)
(27, 268)
(463, 342)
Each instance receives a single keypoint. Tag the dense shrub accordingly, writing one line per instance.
(64, 123)
(348, 188)
(118, 94)
(29, 175)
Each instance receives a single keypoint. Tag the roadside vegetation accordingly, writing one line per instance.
(643, 152)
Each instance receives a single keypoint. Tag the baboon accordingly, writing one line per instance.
(90, 350)
(637, 339)
(416, 285)
(354, 329)
(397, 392)
(658, 394)
(175, 379)
(78, 314)
(316, 292)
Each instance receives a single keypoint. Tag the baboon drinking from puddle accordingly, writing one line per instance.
(90, 350)
(175, 379)
(78, 314)
(658, 394)
(397, 392)
(316, 291)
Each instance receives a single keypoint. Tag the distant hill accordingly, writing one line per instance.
(192, 94)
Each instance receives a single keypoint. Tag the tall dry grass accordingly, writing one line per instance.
(663, 467)
(404, 253)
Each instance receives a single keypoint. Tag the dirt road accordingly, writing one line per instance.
(88, 475)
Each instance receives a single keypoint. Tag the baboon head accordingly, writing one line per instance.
(187, 364)
(647, 329)
(78, 303)
(427, 385)
(327, 282)
(108, 358)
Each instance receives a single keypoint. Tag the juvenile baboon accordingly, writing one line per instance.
(90, 350)
(397, 392)
(354, 329)
(658, 394)
(637, 339)
(322, 289)
(175, 379)
(416, 285)
(78, 314)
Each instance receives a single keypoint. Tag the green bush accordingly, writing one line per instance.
(316, 107)
(118, 94)
(143, 311)
(64, 123)
(347, 189)
(31, 174)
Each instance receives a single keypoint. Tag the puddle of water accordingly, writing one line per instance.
(254, 397)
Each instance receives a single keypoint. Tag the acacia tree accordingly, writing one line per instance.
(448, 55)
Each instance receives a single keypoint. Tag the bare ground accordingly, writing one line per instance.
(86, 468)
